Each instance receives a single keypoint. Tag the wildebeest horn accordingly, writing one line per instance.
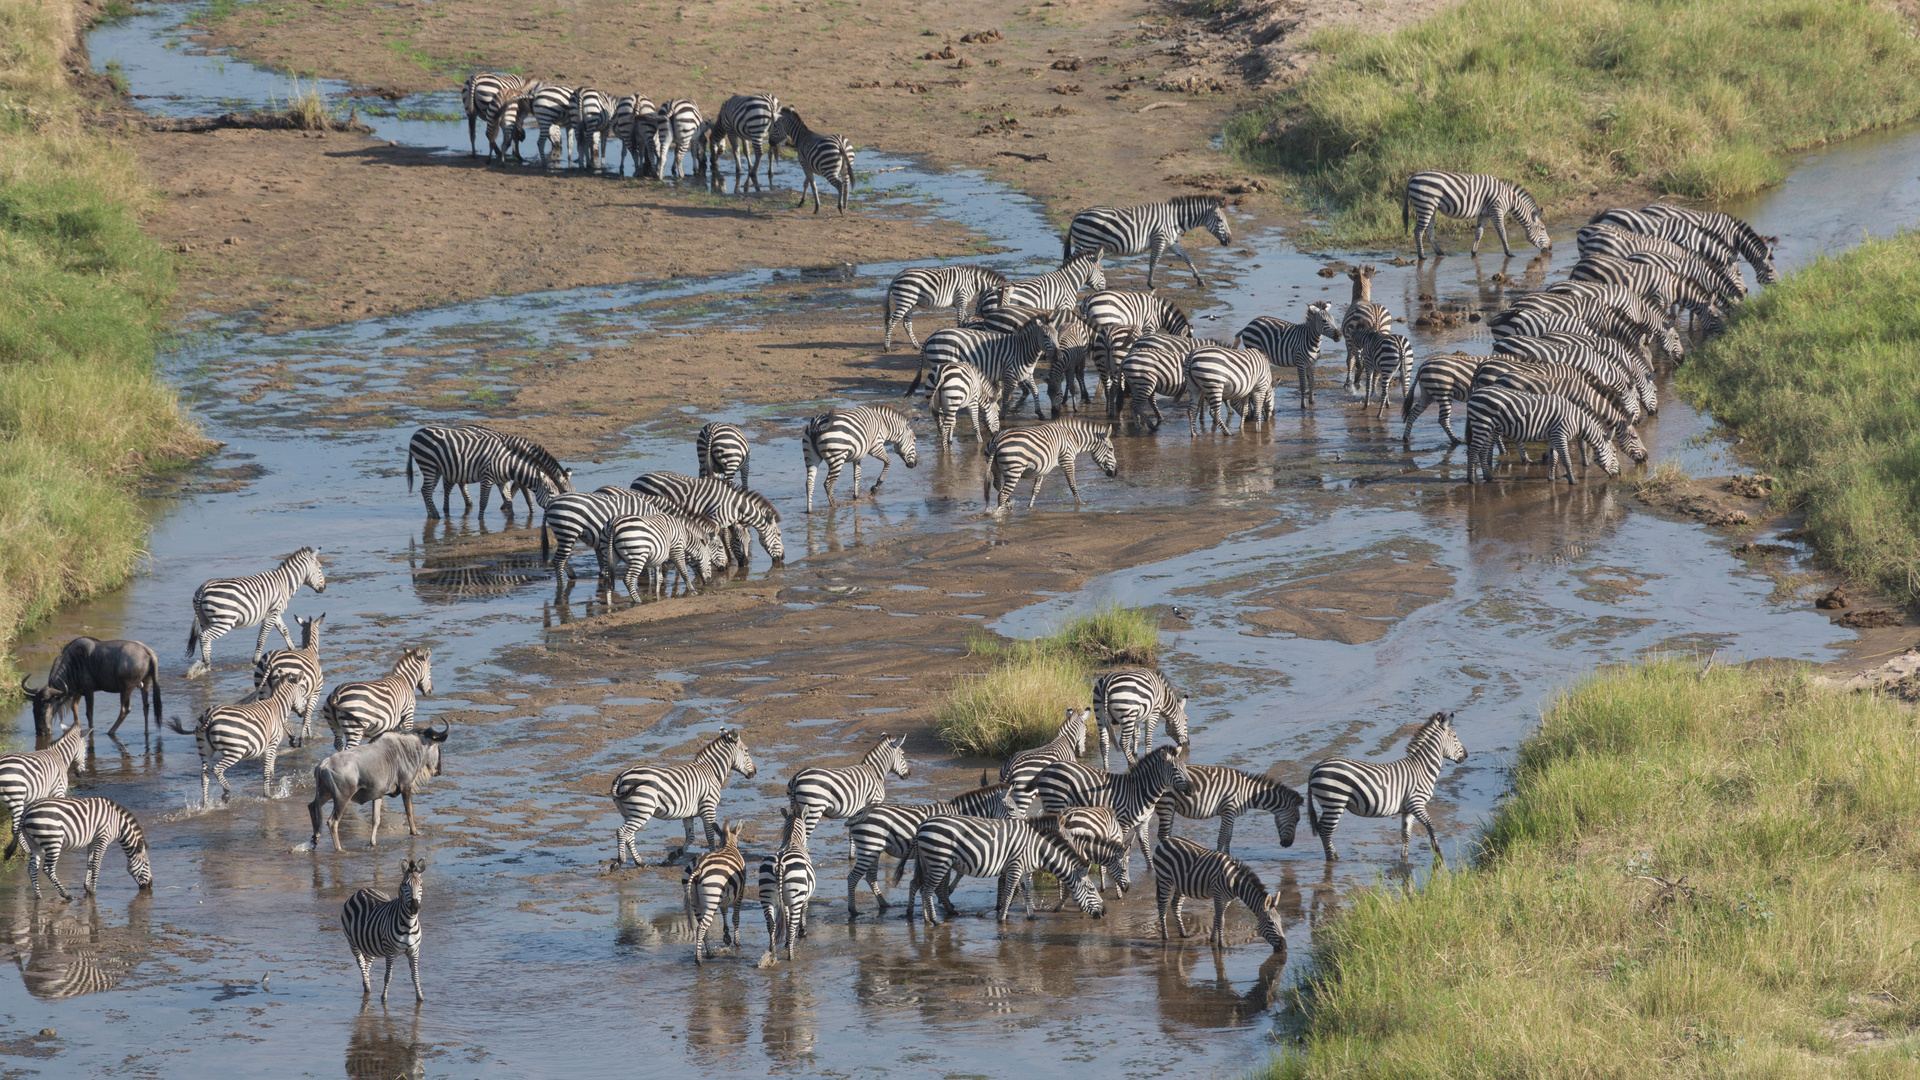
(23, 684)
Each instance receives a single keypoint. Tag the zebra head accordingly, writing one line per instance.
(412, 885)
(766, 521)
(890, 756)
(139, 863)
(1669, 340)
(1439, 729)
(1217, 223)
(1096, 278)
(1177, 723)
(305, 563)
(900, 437)
(1763, 270)
(1164, 769)
(1321, 321)
(1103, 453)
(740, 761)
(1629, 440)
(423, 683)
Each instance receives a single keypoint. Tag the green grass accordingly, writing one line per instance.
(1697, 98)
(1783, 815)
(1817, 375)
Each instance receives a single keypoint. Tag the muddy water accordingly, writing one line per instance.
(1378, 589)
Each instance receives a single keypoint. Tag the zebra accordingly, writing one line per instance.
(1006, 358)
(746, 123)
(1225, 793)
(456, 455)
(717, 879)
(817, 793)
(1129, 703)
(1518, 416)
(1384, 357)
(1152, 229)
(224, 604)
(786, 887)
(1396, 789)
(580, 517)
(482, 95)
(551, 110)
(1636, 322)
(509, 122)
(649, 791)
(950, 847)
(1564, 312)
(1133, 795)
(361, 711)
(1444, 379)
(1068, 370)
(32, 775)
(1362, 316)
(1294, 345)
(1224, 380)
(650, 543)
(819, 155)
(229, 734)
(1613, 240)
(1038, 449)
(1139, 311)
(377, 926)
(961, 389)
(51, 826)
(1573, 384)
(838, 436)
(723, 451)
(299, 666)
(1067, 745)
(590, 115)
(1097, 832)
(1156, 364)
(732, 510)
(960, 288)
(1461, 195)
(1655, 281)
(679, 119)
(1603, 357)
(888, 829)
(1740, 237)
(1182, 869)
(1051, 291)
(1614, 394)
(628, 129)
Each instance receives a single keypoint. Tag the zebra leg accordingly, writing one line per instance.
(1225, 843)
(1323, 828)
(203, 783)
(429, 475)
(885, 464)
(1103, 746)
(413, 965)
(387, 983)
(1433, 232)
(1500, 226)
(273, 751)
(1071, 486)
(1161, 891)
(374, 840)
(1433, 841)
(1182, 252)
(220, 773)
(833, 478)
(366, 971)
(1179, 917)
(1446, 420)
(700, 936)
(1479, 230)
(1038, 479)
(1218, 937)
(1406, 834)
(95, 857)
(774, 922)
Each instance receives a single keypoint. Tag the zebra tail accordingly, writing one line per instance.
(13, 840)
(174, 723)
(409, 470)
(543, 539)
(1066, 246)
(1405, 222)
(193, 635)
(1313, 816)
(900, 871)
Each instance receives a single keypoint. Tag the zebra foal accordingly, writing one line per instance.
(817, 793)
(360, 712)
(1038, 449)
(1361, 317)
(32, 775)
(687, 792)
(229, 734)
(838, 436)
(377, 926)
(718, 879)
(830, 156)
(651, 543)
(786, 887)
(1460, 195)
(52, 826)
(723, 451)
(1384, 357)
(224, 604)
(1396, 789)
(1183, 869)
(961, 288)
(1152, 229)
(300, 666)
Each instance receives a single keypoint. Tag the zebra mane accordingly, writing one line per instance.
(1282, 795)
(304, 553)
(540, 456)
(712, 749)
(763, 504)
(1046, 827)
(412, 654)
(1429, 732)
(1525, 198)
(1197, 202)
(1246, 886)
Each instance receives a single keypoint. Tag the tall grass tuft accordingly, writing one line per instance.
(307, 109)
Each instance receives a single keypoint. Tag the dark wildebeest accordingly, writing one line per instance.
(86, 667)
(390, 765)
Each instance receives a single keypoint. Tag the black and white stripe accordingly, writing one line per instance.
(1224, 381)
(1561, 311)
(1384, 358)
(1463, 195)
(580, 518)
(32, 775)
(1152, 229)
(1624, 372)
(1156, 365)
(1515, 416)
(933, 288)
(746, 124)
(224, 604)
(1005, 358)
(732, 510)
(678, 121)
(1142, 312)
(1399, 788)
(723, 452)
(710, 885)
(1736, 235)
(482, 96)
(1068, 371)
(507, 128)
(1066, 745)
(690, 791)
(1294, 345)
(1442, 379)
(1646, 325)
(590, 115)
(786, 887)
(948, 848)
(817, 793)
(456, 455)
(380, 927)
(1575, 385)
(1225, 793)
(1038, 449)
(634, 126)
(649, 544)
(1183, 869)
(1051, 291)
(889, 828)
(963, 390)
(829, 156)
(1656, 282)
(550, 109)
(360, 711)
(226, 735)
(1612, 240)
(50, 827)
(839, 436)
(1096, 831)
(1130, 703)
(298, 667)
(1132, 794)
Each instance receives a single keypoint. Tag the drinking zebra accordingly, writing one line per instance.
(1182, 869)
(839, 436)
(633, 128)
(1634, 321)
(1616, 399)
(31, 775)
(1225, 793)
(817, 793)
(1133, 795)
(550, 108)
(1152, 230)
(581, 517)
(482, 95)
(1566, 313)
(1038, 449)
(1460, 195)
(948, 848)
(229, 734)
(1442, 379)
(1384, 357)
(1223, 381)
(1130, 703)
(360, 711)
(1735, 234)
(888, 829)
(690, 791)
(678, 121)
(1396, 789)
(1653, 281)
(380, 927)
(1096, 831)
(717, 879)
(1068, 370)
(1624, 372)
(931, 288)
(732, 510)
(224, 604)
(300, 667)
(1362, 316)
(723, 451)
(1569, 383)
(509, 126)
(590, 115)
(1005, 358)
(456, 455)
(1294, 345)
(1518, 417)
(1613, 240)
(746, 123)
(1051, 291)
(650, 543)
(51, 826)
(830, 156)
(1156, 364)
(962, 390)
(786, 887)
(1066, 745)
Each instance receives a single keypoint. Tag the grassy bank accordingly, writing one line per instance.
(1694, 876)
(82, 412)
(1697, 98)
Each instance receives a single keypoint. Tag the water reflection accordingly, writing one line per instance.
(65, 950)
(383, 1046)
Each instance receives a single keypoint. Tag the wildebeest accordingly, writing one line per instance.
(389, 765)
(87, 667)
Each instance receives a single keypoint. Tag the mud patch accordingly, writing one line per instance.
(1352, 598)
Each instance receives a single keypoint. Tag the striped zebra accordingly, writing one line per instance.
(1639, 324)
(32, 775)
(1140, 311)
(224, 604)
(679, 120)
(51, 826)
(1618, 242)
(1096, 831)
(1567, 313)
(786, 887)
(1624, 372)
(1225, 793)
(361, 711)
(229, 734)
(550, 109)
(1738, 236)
(590, 116)
(508, 126)
(1005, 358)
(746, 124)
(817, 793)
(1656, 282)
(1399, 788)
(1053, 291)
(1560, 380)
(1068, 371)
(732, 510)
(717, 879)
(1224, 380)
(690, 791)
(888, 829)
(1183, 869)
(649, 544)
(1362, 316)
(1152, 229)
(1461, 195)
(1615, 394)
(1441, 379)
(708, 145)
(456, 455)
(377, 926)
(839, 436)
(962, 390)
(949, 847)
(482, 95)
(632, 127)
(1133, 795)
(1066, 745)
(1384, 357)
(1156, 364)
(300, 667)
(723, 450)
(819, 155)
(1130, 703)
(1038, 449)
(1516, 416)
(933, 288)
(581, 517)
(1294, 345)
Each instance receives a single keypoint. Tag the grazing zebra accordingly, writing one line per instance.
(830, 156)
(631, 131)
(482, 95)
(229, 734)
(649, 791)
(932, 288)
(224, 604)
(1129, 703)
(1459, 195)
(949, 847)
(1384, 357)
(1133, 794)
(1396, 789)
(1740, 237)
(1224, 380)
(1038, 449)
(838, 436)
(1096, 831)
(1613, 240)
(674, 130)
(1067, 745)
(301, 667)
(509, 123)
(1520, 417)
(717, 879)
(817, 793)
(961, 389)
(1182, 869)
(888, 829)
(380, 927)
(723, 451)
(732, 510)
(746, 123)
(581, 517)
(1053, 291)
(360, 711)
(1443, 379)
(590, 115)
(456, 455)
(650, 543)
(786, 887)
(1560, 380)
(1152, 230)
(1005, 358)
(1294, 345)
(1225, 793)
(51, 826)
(551, 110)
(1156, 364)
(32, 775)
